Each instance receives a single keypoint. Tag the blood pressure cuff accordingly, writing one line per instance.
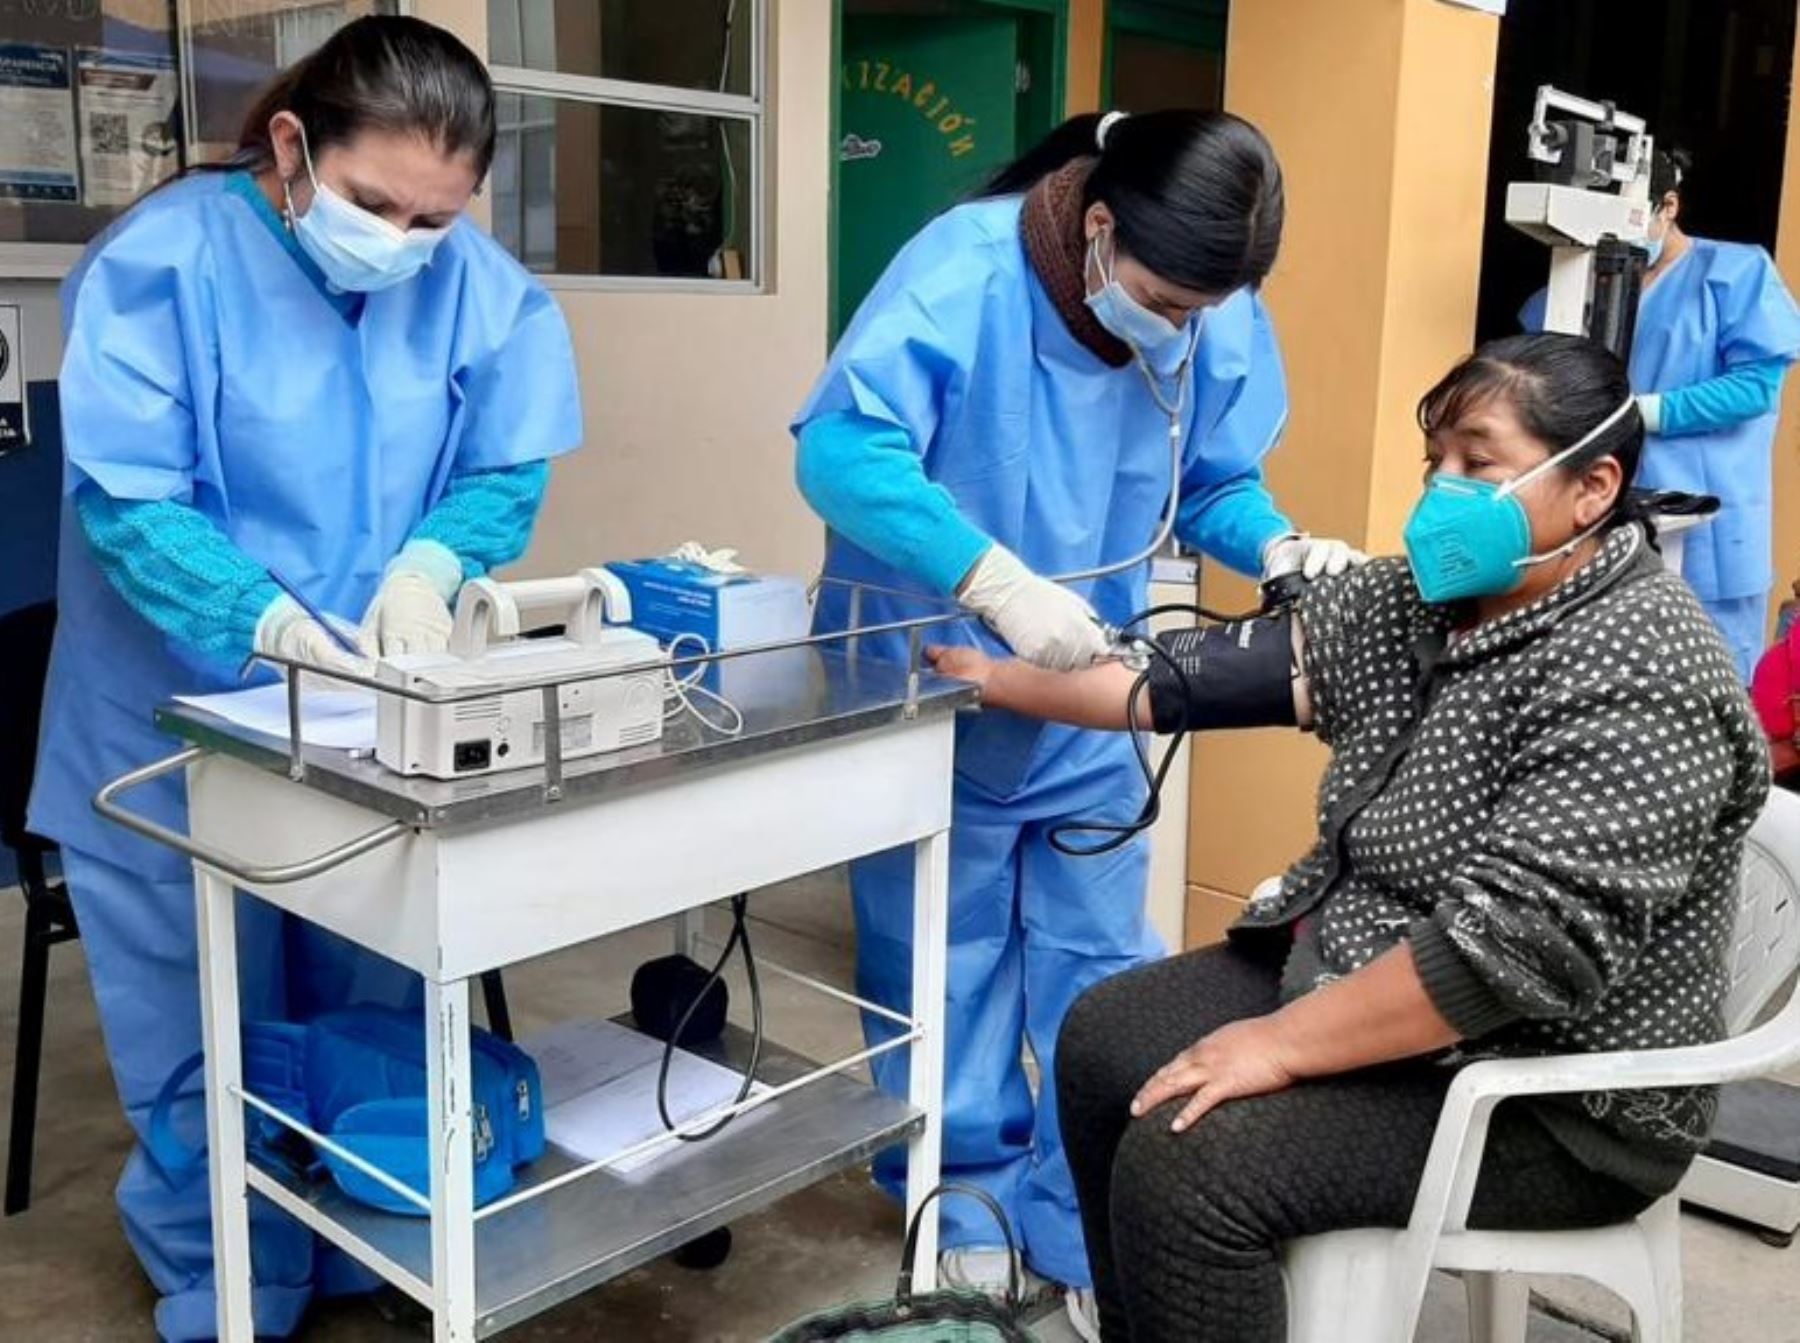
(358, 1076)
(1239, 674)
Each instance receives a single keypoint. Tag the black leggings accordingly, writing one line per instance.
(1184, 1231)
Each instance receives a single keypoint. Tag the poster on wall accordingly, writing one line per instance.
(15, 433)
(128, 105)
(37, 125)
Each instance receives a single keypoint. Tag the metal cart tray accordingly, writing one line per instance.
(823, 694)
(534, 1256)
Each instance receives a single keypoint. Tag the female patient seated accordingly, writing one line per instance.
(1543, 769)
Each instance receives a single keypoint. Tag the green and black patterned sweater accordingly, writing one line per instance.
(1551, 808)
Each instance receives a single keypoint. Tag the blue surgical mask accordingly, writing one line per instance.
(358, 252)
(1154, 338)
(1472, 538)
(1655, 246)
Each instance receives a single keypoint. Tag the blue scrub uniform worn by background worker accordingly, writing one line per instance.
(960, 353)
(1720, 309)
(209, 364)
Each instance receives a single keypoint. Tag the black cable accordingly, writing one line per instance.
(1119, 834)
(740, 937)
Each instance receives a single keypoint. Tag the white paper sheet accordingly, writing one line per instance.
(128, 111)
(38, 160)
(342, 720)
(599, 1082)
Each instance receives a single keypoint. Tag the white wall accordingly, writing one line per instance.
(688, 396)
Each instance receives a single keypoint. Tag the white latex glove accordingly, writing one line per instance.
(1043, 622)
(1309, 556)
(285, 630)
(1650, 407)
(407, 616)
(411, 612)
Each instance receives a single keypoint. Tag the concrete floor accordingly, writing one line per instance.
(66, 1275)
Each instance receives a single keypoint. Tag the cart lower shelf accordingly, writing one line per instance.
(540, 1253)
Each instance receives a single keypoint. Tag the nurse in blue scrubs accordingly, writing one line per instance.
(1000, 413)
(304, 363)
(1716, 332)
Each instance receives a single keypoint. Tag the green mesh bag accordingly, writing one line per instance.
(930, 1317)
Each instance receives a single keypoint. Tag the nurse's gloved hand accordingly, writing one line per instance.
(1043, 622)
(410, 613)
(407, 616)
(1309, 556)
(286, 631)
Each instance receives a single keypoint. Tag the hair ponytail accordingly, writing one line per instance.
(381, 72)
(255, 148)
(1076, 138)
(1196, 196)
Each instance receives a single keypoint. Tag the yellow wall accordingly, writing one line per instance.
(1087, 54)
(1380, 113)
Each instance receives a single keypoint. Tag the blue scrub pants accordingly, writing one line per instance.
(139, 937)
(1744, 621)
(1030, 931)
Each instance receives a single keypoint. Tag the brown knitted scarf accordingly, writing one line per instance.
(1056, 242)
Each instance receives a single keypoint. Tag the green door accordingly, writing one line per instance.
(928, 109)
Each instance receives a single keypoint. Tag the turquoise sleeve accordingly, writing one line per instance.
(865, 478)
(485, 517)
(177, 570)
(1226, 511)
(1233, 521)
(1747, 392)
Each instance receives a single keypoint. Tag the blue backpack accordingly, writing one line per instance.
(358, 1076)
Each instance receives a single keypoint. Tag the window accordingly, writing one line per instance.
(91, 97)
(235, 47)
(631, 136)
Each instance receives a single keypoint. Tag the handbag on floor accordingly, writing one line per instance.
(928, 1317)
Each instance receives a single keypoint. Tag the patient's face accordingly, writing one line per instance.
(1489, 443)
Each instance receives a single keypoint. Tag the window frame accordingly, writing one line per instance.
(751, 109)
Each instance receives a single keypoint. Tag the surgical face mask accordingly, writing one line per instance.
(1472, 538)
(1655, 246)
(1157, 340)
(358, 252)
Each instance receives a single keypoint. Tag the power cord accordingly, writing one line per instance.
(740, 937)
(683, 692)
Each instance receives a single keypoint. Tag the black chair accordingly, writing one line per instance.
(24, 661)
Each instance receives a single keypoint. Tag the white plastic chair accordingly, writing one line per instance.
(1367, 1286)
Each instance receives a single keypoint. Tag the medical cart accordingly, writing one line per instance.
(840, 757)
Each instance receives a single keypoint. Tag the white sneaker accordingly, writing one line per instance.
(1084, 1313)
(984, 1269)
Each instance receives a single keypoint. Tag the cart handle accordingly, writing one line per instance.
(106, 802)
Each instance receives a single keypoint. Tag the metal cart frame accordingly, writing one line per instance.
(455, 879)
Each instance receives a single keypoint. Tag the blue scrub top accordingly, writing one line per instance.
(1044, 447)
(1720, 306)
(208, 362)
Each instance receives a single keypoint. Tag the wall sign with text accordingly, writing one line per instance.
(15, 433)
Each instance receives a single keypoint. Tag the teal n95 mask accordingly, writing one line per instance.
(1472, 538)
